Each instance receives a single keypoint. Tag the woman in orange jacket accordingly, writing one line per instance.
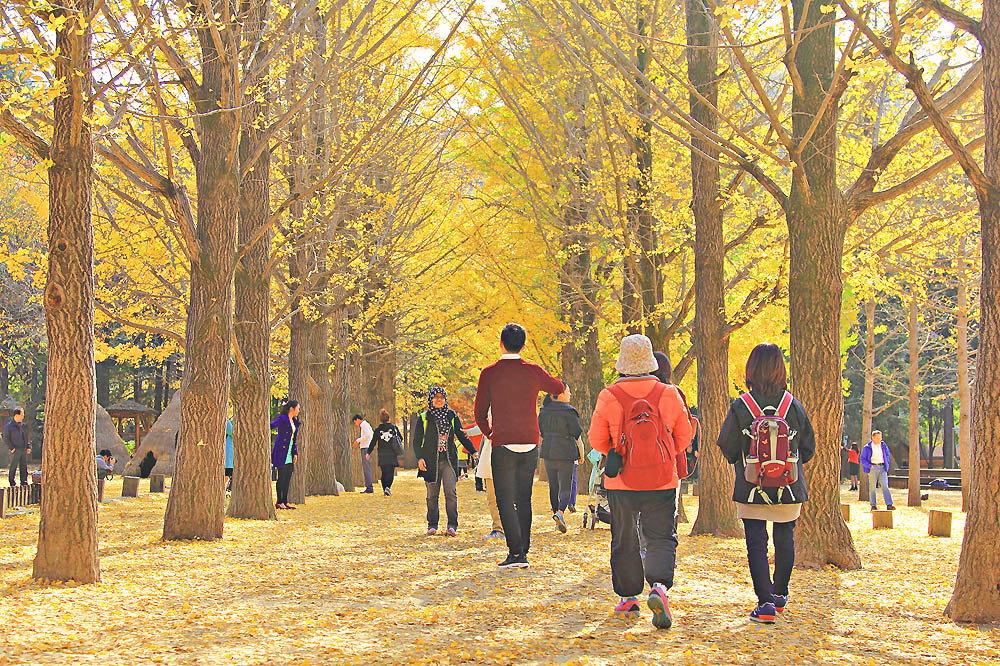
(641, 488)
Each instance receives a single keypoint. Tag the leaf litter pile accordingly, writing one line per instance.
(353, 580)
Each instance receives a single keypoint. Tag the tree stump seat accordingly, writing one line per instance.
(939, 523)
(130, 486)
(156, 483)
(845, 511)
(882, 520)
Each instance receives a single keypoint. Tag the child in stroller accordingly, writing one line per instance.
(597, 501)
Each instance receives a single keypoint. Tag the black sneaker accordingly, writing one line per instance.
(891, 507)
(386, 492)
(514, 562)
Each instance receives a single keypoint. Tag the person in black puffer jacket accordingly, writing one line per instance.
(766, 381)
(559, 423)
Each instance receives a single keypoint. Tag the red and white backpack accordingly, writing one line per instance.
(773, 458)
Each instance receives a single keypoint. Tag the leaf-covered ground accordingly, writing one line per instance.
(353, 580)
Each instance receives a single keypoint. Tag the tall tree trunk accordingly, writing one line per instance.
(251, 398)
(948, 421)
(196, 505)
(4, 378)
(716, 510)
(158, 389)
(103, 374)
(867, 409)
(816, 229)
(299, 380)
(642, 293)
(977, 587)
(913, 496)
(340, 378)
(67, 531)
(321, 478)
(964, 389)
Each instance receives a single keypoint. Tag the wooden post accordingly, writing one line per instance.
(130, 486)
(845, 510)
(882, 520)
(100, 489)
(3, 502)
(694, 489)
(939, 523)
(156, 483)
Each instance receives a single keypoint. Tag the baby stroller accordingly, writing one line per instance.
(598, 509)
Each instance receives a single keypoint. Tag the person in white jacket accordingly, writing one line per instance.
(363, 442)
(484, 471)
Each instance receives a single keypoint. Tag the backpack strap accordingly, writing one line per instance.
(784, 405)
(751, 404)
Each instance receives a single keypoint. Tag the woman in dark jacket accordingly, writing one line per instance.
(388, 442)
(437, 457)
(766, 381)
(559, 423)
(285, 452)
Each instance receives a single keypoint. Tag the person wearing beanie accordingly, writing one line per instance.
(655, 501)
(506, 412)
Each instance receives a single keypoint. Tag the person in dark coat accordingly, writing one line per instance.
(387, 442)
(15, 438)
(437, 457)
(766, 381)
(559, 424)
(285, 452)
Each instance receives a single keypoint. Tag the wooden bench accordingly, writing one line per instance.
(19, 497)
(902, 482)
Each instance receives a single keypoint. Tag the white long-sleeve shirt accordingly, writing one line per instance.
(366, 434)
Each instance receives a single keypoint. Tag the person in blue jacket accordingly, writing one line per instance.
(876, 461)
(229, 454)
(285, 453)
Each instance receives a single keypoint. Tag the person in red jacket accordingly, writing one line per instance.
(657, 505)
(508, 392)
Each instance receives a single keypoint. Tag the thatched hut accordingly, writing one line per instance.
(107, 438)
(161, 441)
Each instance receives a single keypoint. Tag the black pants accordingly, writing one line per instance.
(388, 474)
(659, 527)
(560, 473)
(19, 459)
(284, 480)
(784, 557)
(513, 475)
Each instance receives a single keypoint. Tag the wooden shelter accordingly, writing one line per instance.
(139, 414)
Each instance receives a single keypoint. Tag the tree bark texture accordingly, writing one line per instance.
(251, 391)
(867, 408)
(67, 532)
(913, 484)
(195, 507)
(716, 510)
(816, 227)
(321, 478)
(964, 388)
(977, 587)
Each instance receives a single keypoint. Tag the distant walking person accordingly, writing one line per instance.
(363, 442)
(285, 453)
(229, 455)
(506, 412)
(641, 424)
(853, 464)
(15, 438)
(559, 424)
(875, 461)
(437, 458)
(767, 436)
(387, 441)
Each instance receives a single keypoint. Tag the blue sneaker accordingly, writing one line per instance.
(780, 602)
(763, 613)
(628, 608)
(560, 521)
(660, 605)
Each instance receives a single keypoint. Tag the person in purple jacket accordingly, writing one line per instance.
(285, 452)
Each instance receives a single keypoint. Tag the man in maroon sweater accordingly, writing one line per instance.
(506, 412)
